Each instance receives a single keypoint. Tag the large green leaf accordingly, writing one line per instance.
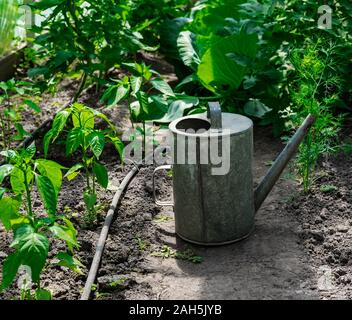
(5, 170)
(68, 261)
(51, 170)
(32, 105)
(59, 123)
(9, 269)
(32, 249)
(177, 109)
(74, 139)
(162, 86)
(115, 94)
(42, 294)
(47, 192)
(217, 71)
(96, 141)
(211, 18)
(9, 208)
(74, 171)
(256, 108)
(46, 4)
(119, 145)
(101, 174)
(186, 46)
(65, 234)
(90, 199)
(17, 181)
(82, 117)
(8, 19)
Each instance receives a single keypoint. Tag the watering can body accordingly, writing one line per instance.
(212, 206)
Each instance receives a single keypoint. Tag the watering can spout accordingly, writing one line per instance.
(265, 186)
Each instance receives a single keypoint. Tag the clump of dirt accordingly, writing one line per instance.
(326, 225)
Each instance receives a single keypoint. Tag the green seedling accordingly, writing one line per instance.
(162, 218)
(142, 244)
(167, 252)
(82, 136)
(325, 188)
(32, 232)
(117, 283)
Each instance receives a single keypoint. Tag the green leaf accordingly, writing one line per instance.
(119, 146)
(101, 174)
(9, 210)
(46, 4)
(32, 105)
(46, 141)
(5, 171)
(59, 123)
(255, 108)
(68, 261)
(74, 171)
(17, 181)
(2, 192)
(186, 47)
(65, 234)
(82, 117)
(96, 141)
(176, 110)
(42, 294)
(21, 132)
(162, 86)
(90, 199)
(10, 154)
(9, 269)
(32, 249)
(47, 192)
(115, 94)
(217, 71)
(51, 170)
(249, 82)
(74, 139)
(136, 83)
(29, 152)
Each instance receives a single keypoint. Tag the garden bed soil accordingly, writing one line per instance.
(291, 254)
(300, 249)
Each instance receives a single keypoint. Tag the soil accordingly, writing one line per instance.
(300, 248)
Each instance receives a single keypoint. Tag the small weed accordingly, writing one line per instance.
(188, 255)
(325, 188)
(117, 283)
(269, 163)
(142, 244)
(162, 218)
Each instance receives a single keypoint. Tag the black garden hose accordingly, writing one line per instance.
(106, 227)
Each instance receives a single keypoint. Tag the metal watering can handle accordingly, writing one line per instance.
(214, 115)
(157, 202)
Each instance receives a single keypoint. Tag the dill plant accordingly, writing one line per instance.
(316, 91)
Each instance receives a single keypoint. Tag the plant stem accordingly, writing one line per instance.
(81, 87)
(28, 194)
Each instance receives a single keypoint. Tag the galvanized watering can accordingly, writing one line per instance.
(215, 204)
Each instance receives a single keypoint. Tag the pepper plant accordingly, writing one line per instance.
(149, 97)
(84, 137)
(13, 99)
(32, 231)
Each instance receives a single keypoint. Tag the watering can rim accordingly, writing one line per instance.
(212, 132)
